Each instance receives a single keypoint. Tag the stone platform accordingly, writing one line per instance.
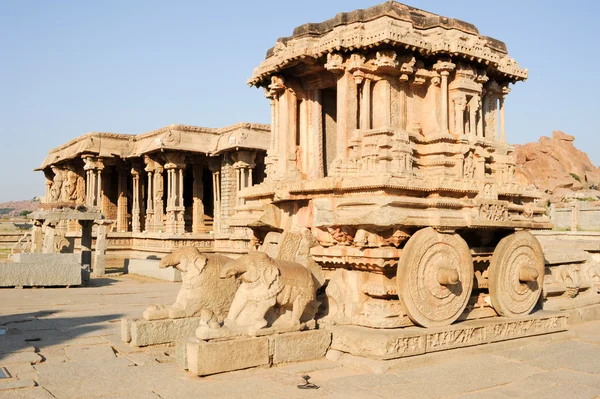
(411, 341)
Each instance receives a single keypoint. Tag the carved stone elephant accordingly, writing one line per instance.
(203, 292)
(267, 283)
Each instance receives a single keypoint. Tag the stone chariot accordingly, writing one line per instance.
(389, 160)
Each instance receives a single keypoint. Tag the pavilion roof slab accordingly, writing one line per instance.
(384, 25)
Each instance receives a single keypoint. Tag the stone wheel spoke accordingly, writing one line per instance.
(516, 274)
(435, 277)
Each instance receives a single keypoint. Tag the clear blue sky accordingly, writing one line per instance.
(129, 66)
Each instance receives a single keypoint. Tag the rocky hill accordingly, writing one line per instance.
(557, 168)
(15, 208)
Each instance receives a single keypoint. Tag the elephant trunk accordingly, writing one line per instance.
(232, 269)
(169, 261)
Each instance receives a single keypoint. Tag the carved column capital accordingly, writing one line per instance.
(444, 67)
(277, 86)
(335, 63)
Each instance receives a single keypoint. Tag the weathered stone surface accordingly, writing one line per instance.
(154, 332)
(43, 274)
(150, 268)
(205, 358)
(299, 346)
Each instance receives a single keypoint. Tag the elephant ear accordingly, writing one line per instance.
(270, 273)
(200, 263)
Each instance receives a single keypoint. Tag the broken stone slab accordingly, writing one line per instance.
(150, 268)
(141, 332)
(212, 357)
(412, 341)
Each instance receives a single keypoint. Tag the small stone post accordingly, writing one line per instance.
(99, 265)
(575, 216)
(86, 249)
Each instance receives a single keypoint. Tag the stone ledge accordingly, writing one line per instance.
(141, 332)
(412, 341)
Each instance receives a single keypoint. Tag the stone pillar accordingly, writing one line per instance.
(365, 105)
(347, 112)
(150, 205)
(135, 206)
(158, 187)
(473, 108)
(460, 105)
(99, 265)
(316, 163)
(122, 217)
(37, 237)
(99, 194)
(48, 188)
(175, 163)
(575, 216)
(214, 165)
(198, 206)
(479, 110)
(49, 234)
(93, 185)
(490, 110)
(243, 165)
(86, 248)
(505, 91)
(444, 68)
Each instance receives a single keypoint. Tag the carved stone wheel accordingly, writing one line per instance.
(516, 274)
(435, 277)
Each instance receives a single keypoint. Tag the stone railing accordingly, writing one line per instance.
(576, 216)
(8, 240)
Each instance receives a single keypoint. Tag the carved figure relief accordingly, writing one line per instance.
(469, 166)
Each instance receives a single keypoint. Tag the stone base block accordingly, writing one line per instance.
(141, 332)
(398, 343)
(149, 268)
(219, 356)
(42, 273)
(212, 357)
(299, 346)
